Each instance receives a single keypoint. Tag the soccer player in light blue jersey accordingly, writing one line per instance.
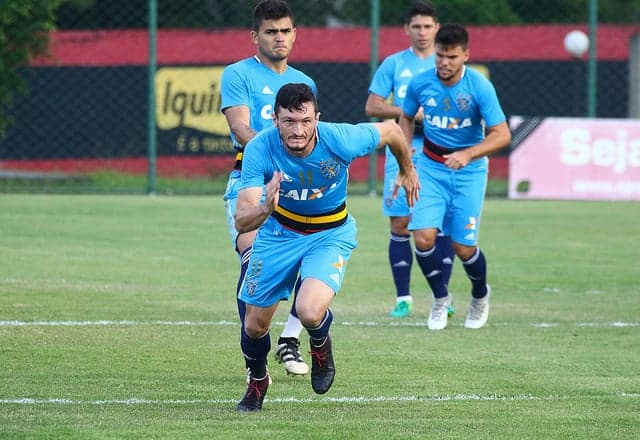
(463, 124)
(392, 79)
(303, 224)
(248, 90)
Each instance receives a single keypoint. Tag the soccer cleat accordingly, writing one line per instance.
(478, 311)
(401, 310)
(288, 353)
(451, 310)
(439, 313)
(323, 370)
(253, 398)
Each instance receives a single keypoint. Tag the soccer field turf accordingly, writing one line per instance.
(117, 320)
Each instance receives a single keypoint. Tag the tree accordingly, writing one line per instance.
(491, 12)
(24, 34)
(217, 14)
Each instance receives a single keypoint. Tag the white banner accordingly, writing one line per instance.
(577, 159)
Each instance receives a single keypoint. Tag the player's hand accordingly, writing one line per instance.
(411, 184)
(272, 192)
(457, 159)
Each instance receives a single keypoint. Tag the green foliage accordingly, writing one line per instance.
(488, 12)
(93, 14)
(566, 11)
(519, 11)
(24, 34)
(459, 11)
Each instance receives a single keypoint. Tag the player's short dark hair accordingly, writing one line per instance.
(451, 35)
(293, 96)
(270, 10)
(420, 8)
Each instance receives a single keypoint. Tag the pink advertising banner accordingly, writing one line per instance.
(576, 159)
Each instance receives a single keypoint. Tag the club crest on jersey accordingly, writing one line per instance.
(329, 168)
(463, 102)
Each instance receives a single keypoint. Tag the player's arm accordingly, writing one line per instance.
(407, 124)
(392, 135)
(250, 213)
(496, 138)
(238, 118)
(378, 107)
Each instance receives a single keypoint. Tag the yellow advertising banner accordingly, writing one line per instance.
(189, 97)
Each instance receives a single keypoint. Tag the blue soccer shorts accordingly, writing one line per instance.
(399, 206)
(230, 200)
(280, 253)
(451, 200)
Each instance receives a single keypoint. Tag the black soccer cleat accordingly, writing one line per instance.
(323, 370)
(253, 398)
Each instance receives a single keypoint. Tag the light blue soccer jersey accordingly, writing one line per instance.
(250, 83)
(396, 71)
(317, 183)
(453, 115)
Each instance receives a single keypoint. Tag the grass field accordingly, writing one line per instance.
(117, 320)
(135, 184)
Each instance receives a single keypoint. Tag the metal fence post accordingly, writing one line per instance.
(151, 119)
(373, 65)
(634, 76)
(592, 82)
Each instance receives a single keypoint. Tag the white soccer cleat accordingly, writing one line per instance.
(288, 354)
(439, 313)
(478, 311)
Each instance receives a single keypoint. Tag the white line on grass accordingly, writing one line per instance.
(142, 401)
(361, 399)
(615, 324)
(109, 323)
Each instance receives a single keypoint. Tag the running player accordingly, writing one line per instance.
(305, 227)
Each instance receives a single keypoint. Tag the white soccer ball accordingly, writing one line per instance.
(576, 43)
